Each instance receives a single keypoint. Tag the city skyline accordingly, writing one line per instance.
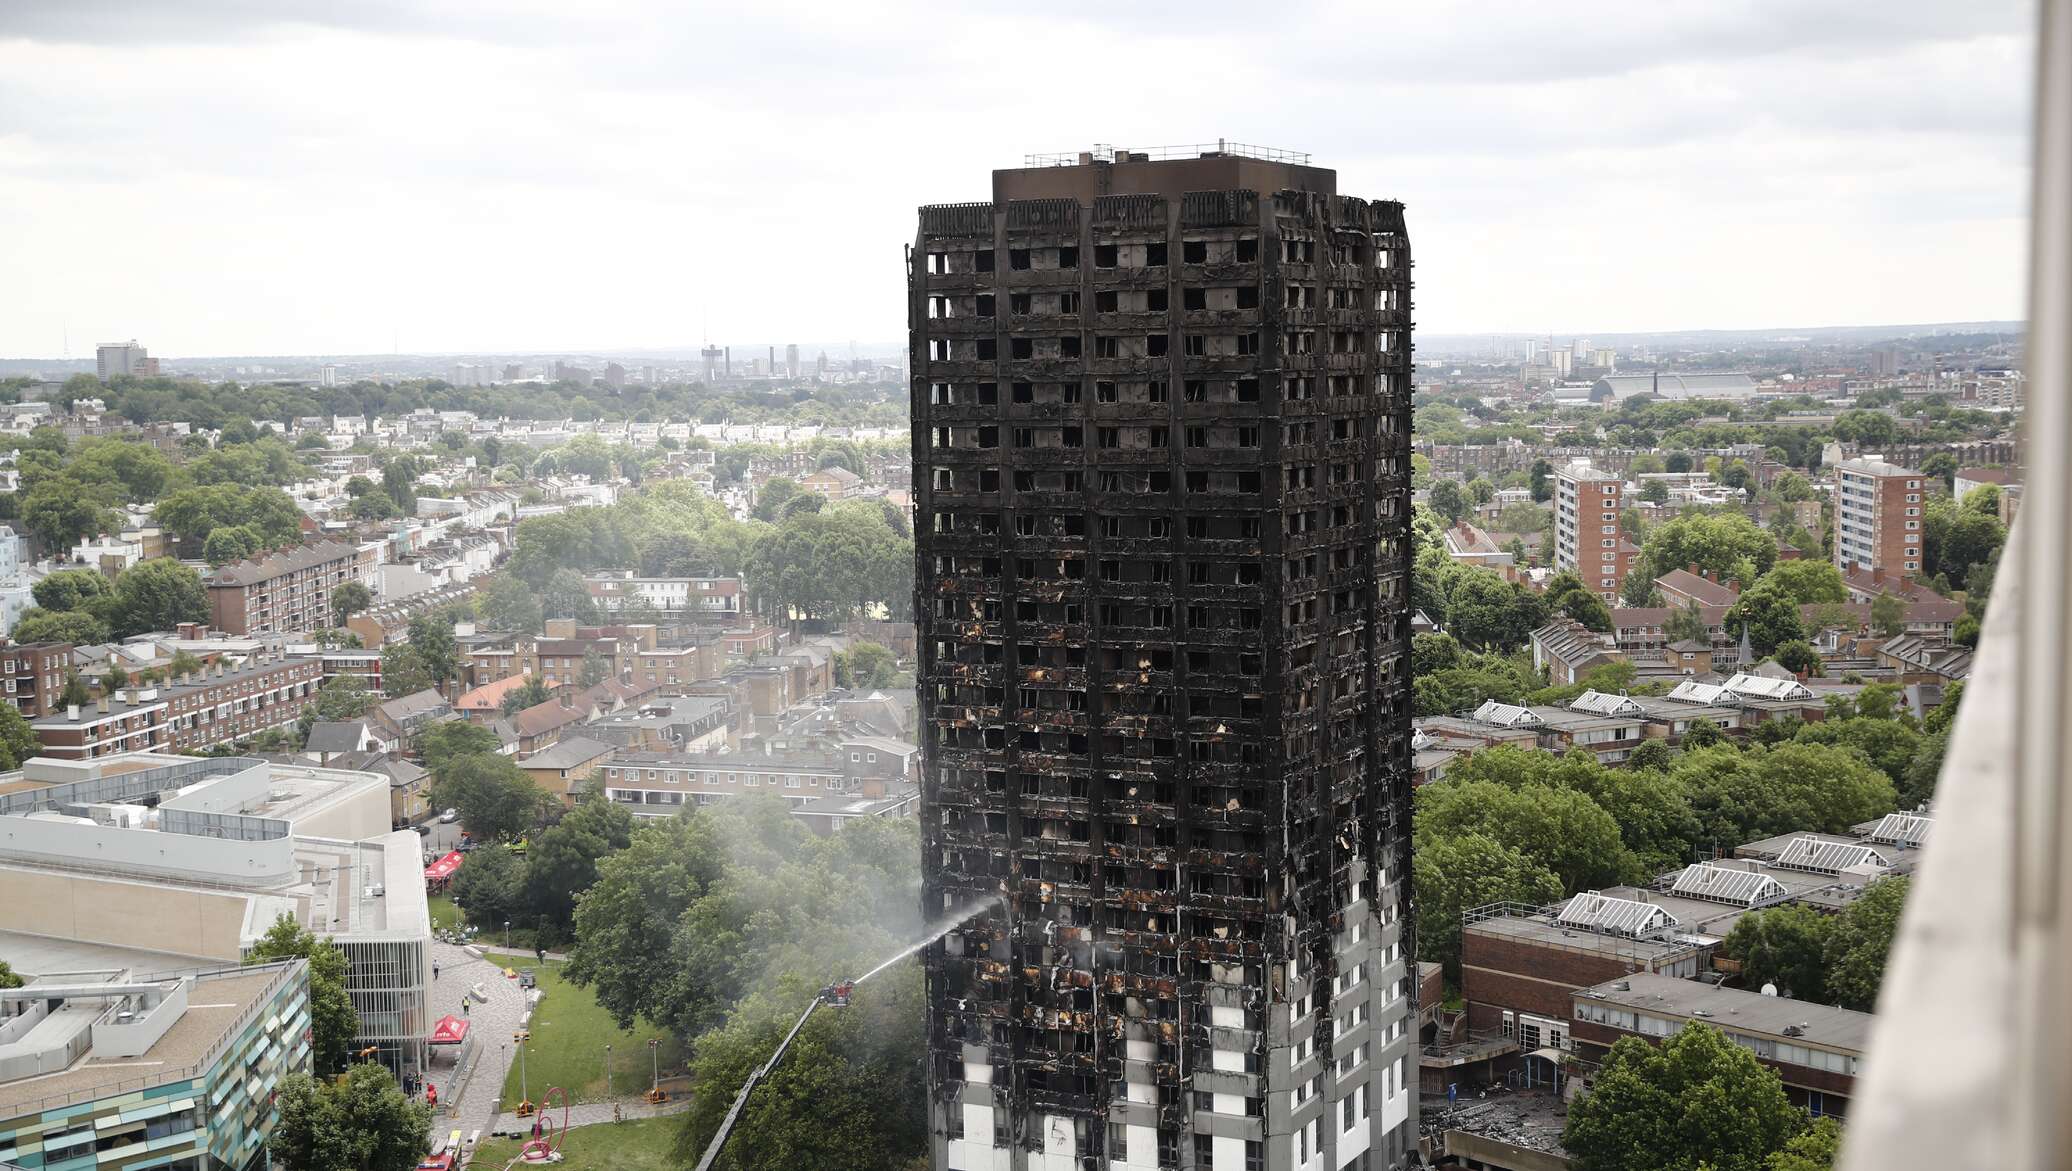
(577, 186)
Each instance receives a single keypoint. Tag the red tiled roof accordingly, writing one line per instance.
(489, 696)
(1706, 591)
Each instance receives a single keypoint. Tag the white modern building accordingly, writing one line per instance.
(160, 862)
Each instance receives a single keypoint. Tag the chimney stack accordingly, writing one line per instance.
(72, 712)
(102, 705)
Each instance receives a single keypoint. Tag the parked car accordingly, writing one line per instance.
(449, 817)
(422, 828)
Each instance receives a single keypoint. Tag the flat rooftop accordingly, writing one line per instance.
(1737, 1009)
(214, 1005)
(40, 955)
(1543, 930)
(1161, 170)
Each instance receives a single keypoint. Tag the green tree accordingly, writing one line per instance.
(1455, 874)
(1792, 488)
(701, 910)
(1890, 745)
(1785, 946)
(561, 863)
(1954, 539)
(1558, 828)
(567, 597)
(114, 679)
(348, 599)
(1888, 615)
(1727, 544)
(773, 496)
(496, 799)
(73, 626)
(531, 693)
(1798, 656)
(1542, 481)
(1655, 492)
(61, 511)
(1651, 756)
(1943, 466)
(343, 698)
(490, 888)
(1465, 687)
(399, 483)
(1805, 581)
(158, 594)
(70, 589)
(17, 741)
(359, 1123)
(845, 1096)
(228, 543)
(1860, 942)
(1739, 795)
(196, 513)
(1686, 624)
(1450, 501)
(403, 672)
(1431, 652)
(1695, 1101)
(1813, 1149)
(432, 640)
(8, 979)
(867, 666)
(1942, 715)
(595, 669)
(1566, 594)
(75, 691)
(443, 743)
(1769, 616)
(333, 1023)
(509, 605)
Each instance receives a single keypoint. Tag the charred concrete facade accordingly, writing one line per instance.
(1161, 473)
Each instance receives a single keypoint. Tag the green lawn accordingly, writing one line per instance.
(640, 1144)
(445, 915)
(569, 1033)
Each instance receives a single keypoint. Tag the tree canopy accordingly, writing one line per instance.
(333, 1021)
(359, 1123)
(1696, 1101)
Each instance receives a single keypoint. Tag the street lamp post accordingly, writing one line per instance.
(524, 1092)
(607, 1071)
(507, 933)
(655, 1064)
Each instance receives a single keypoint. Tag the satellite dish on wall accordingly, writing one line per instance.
(1769, 990)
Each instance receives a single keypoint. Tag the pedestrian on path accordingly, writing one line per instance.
(435, 971)
(464, 1006)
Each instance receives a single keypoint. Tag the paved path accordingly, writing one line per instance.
(524, 953)
(491, 1024)
(589, 1113)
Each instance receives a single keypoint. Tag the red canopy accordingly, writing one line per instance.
(448, 1031)
(444, 867)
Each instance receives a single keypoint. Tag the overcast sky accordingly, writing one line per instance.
(318, 176)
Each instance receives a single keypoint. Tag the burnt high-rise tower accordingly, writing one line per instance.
(1161, 414)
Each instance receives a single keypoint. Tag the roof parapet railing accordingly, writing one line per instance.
(1105, 153)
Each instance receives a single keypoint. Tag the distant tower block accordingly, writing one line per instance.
(711, 355)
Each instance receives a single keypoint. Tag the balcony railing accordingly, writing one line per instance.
(1970, 1061)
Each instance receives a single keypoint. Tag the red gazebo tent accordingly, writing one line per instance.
(443, 869)
(449, 1031)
